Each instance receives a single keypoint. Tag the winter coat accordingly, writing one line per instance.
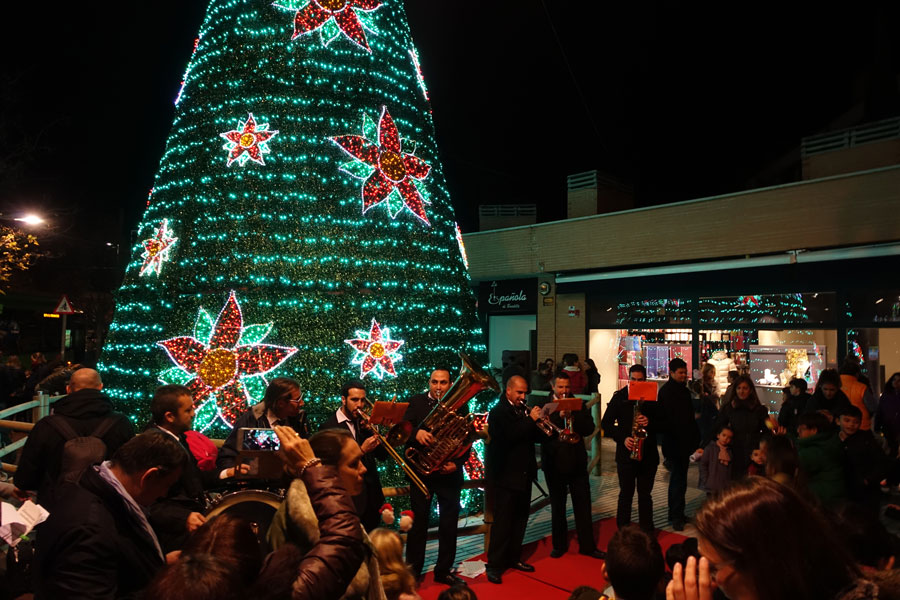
(865, 462)
(856, 392)
(90, 547)
(714, 475)
(682, 437)
(509, 453)
(822, 462)
(835, 406)
(296, 523)
(790, 412)
(887, 418)
(577, 380)
(41, 458)
(563, 457)
(748, 426)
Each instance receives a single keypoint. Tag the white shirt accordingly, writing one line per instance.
(342, 418)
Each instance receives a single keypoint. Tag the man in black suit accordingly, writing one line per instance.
(565, 470)
(618, 423)
(281, 405)
(445, 484)
(180, 511)
(369, 502)
(98, 543)
(511, 469)
(682, 437)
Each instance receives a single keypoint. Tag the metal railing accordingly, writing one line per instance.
(39, 407)
(878, 131)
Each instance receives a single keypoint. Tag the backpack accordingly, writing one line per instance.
(79, 452)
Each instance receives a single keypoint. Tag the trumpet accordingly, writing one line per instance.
(397, 435)
(566, 435)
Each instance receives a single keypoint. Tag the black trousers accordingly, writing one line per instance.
(641, 473)
(446, 488)
(678, 470)
(560, 486)
(511, 509)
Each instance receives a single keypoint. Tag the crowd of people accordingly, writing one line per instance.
(793, 507)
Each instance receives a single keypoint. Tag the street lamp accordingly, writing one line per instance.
(30, 219)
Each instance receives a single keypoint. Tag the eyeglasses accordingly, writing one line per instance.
(298, 400)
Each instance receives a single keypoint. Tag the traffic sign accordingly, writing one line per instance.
(64, 307)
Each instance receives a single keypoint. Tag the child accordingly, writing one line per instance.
(715, 464)
(821, 458)
(758, 457)
(782, 463)
(866, 464)
(634, 564)
(396, 577)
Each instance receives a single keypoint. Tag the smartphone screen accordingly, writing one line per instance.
(260, 439)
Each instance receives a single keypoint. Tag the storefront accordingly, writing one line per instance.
(507, 308)
(772, 323)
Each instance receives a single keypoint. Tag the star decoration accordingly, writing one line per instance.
(156, 249)
(376, 352)
(223, 362)
(249, 142)
(750, 300)
(335, 17)
(388, 166)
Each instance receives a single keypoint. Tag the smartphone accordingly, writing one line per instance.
(259, 439)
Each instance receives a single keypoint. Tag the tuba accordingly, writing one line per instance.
(453, 433)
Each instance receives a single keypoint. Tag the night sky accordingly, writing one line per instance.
(681, 100)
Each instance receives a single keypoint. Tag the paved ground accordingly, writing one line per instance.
(604, 492)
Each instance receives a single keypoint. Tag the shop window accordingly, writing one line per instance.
(813, 307)
(879, 307)
(624, 312)
(878, 352)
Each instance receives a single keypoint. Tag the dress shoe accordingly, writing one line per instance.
(523, 566)
(449, 579)
(595, 554)
(494, 577)
(556, 553)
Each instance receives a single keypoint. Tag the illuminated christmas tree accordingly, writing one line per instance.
(317, 242)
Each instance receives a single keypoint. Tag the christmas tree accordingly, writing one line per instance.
(299, 224)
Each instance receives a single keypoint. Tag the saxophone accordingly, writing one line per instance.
(638, 434)
(453, 433)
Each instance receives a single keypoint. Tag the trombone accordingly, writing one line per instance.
(398, 435)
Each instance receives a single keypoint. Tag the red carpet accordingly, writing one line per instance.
(554, 578)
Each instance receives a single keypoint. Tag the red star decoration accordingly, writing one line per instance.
(219, 365)
(319, 12)
(156, 249)
(375, 352)
(391, 168)
(248, 142)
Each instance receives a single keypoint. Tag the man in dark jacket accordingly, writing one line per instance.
(85, 408)
(445, 485)
(511, 468)
(282, 405)
(565, 470)
(865, 462)
(682, 437)
(98, 543)
(794, 405)
(180, 512)
(369, 502)
(617, 423)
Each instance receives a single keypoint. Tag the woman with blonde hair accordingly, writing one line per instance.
(396, 577)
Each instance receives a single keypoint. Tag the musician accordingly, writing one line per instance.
(371, 499)
(281, 405)
(565, 469)
(511, 469)
(446, 485)
(180, 511)
(618, 423)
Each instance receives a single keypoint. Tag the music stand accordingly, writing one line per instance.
(388, 413)
(642, 390)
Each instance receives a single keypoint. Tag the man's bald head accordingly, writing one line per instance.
(516, 389)
(84, 379)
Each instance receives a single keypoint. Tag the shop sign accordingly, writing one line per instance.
(508, 296)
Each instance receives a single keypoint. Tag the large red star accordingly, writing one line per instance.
(334, 17)
(156, 249)
(375, 351)
(389, 172)
(217, 366)
(248, 142)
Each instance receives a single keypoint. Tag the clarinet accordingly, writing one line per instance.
(638, 434)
